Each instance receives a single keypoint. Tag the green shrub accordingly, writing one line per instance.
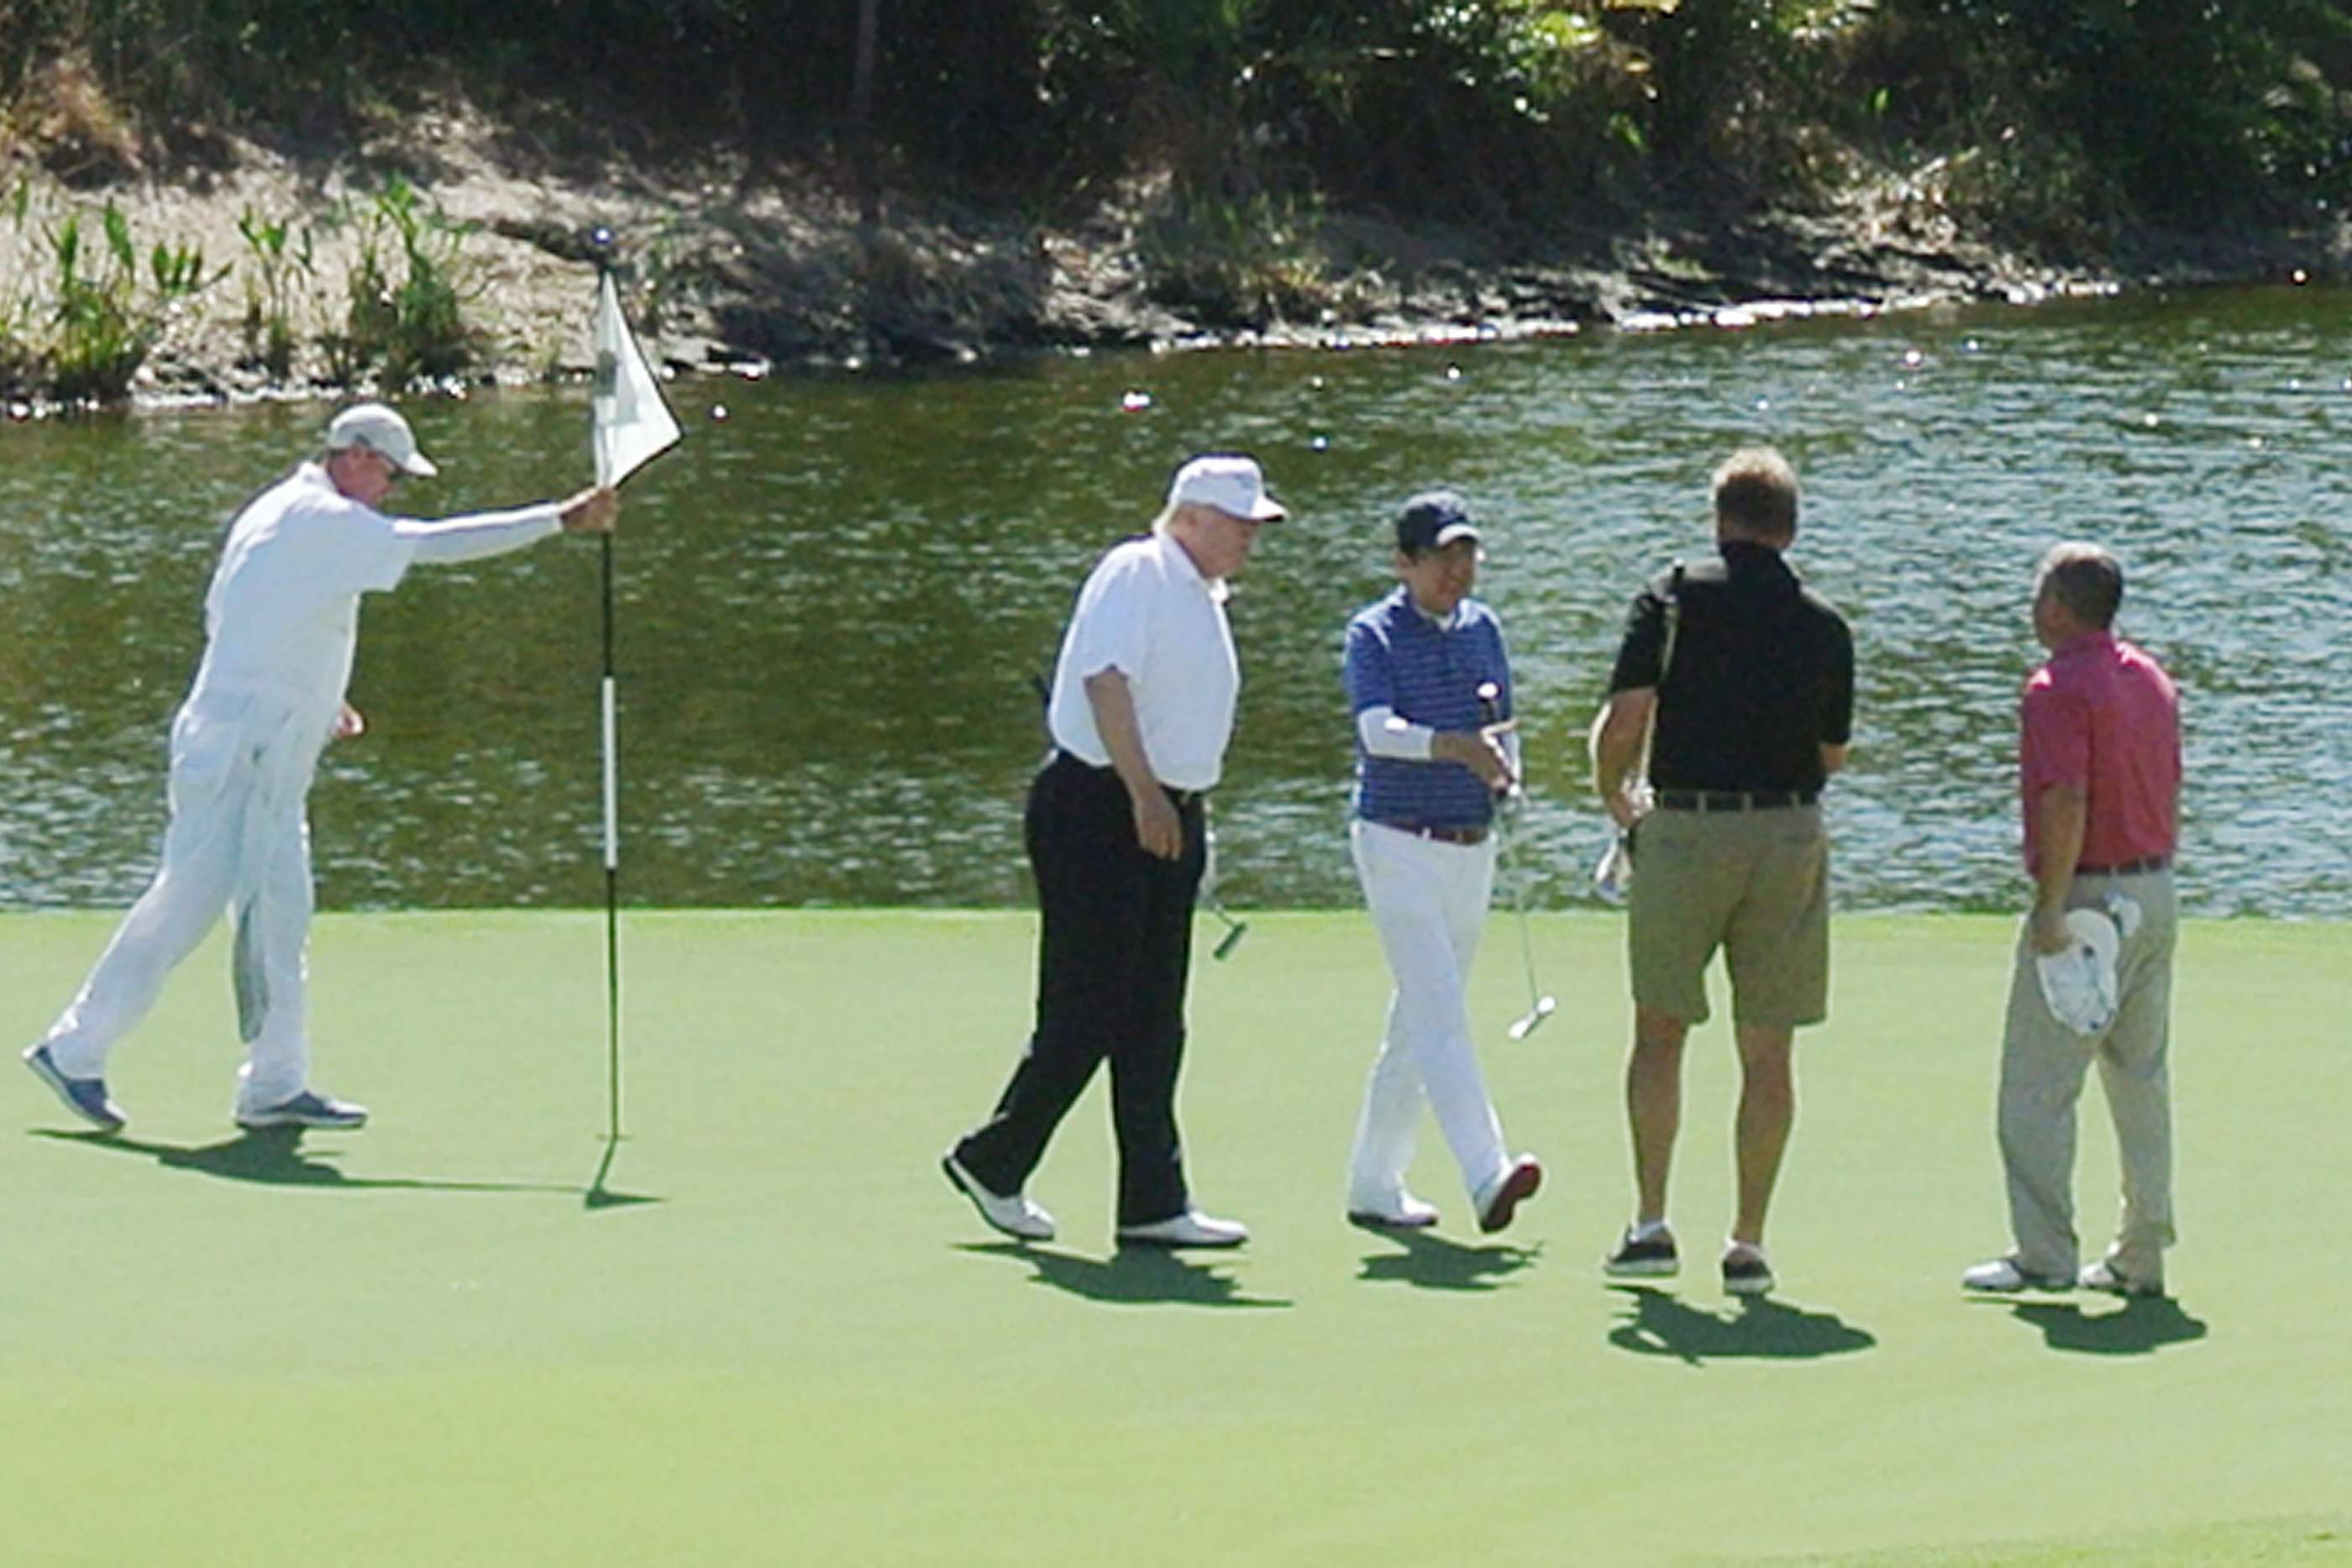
(407, 289)
(105, 315)
(279, 256)
(1242, 262)
(16, 365)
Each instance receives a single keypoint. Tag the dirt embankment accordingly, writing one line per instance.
(735, 268)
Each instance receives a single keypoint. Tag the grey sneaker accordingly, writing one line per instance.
(1651, 1257)
(85, 1097)
(307, 1108)
(1745, 1270)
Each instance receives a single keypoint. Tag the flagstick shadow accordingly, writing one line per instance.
(274, 1157)
(1129, 1277)
(599, 1196)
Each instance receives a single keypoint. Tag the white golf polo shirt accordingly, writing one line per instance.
(281, 619)
(1147, 612)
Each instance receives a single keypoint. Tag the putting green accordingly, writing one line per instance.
(786, 1341)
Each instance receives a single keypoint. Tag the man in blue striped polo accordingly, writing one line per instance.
(1430, 761)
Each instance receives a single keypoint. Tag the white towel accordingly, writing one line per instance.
(2078, 982)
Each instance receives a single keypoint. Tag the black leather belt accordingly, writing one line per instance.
(1441, 835)
(1185, 799)
(1735, 800)
(2125, 868)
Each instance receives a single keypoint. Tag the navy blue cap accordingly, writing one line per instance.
(1431, 520)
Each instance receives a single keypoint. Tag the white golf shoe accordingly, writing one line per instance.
(1403, 1211)
(2005, 1276)
(1500, 1199)
(1190, 1229)
(307, 1109)
(1011, 1213)
(2103, 1275)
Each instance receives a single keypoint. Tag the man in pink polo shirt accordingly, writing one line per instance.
(2099, 774)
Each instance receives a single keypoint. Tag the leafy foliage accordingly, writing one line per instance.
(406, 320)
(2059, 120)
(84, 337)
(280, 256)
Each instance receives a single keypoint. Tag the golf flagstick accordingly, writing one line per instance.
(630, 424)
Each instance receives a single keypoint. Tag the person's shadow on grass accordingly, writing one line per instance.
(2141, 1326)
(274, 1157)
(1129, 1277)
(1660, 1323)
(1433, 1263)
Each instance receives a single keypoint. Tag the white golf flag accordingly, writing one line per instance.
(633, 423)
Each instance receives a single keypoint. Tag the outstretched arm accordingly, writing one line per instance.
(480, 535)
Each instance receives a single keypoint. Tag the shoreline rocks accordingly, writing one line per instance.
(725, 273)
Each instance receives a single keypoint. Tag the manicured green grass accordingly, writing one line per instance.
(419, 1345)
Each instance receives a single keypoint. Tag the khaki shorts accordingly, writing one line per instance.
(1755, 884)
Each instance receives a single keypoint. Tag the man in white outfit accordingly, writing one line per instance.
(1430, 686)
(281, 620)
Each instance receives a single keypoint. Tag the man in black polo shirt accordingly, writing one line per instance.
(1747, 678)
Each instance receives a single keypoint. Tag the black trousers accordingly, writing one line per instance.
(1113, 956)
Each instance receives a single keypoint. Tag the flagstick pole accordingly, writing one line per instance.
(612, 864)
(602, 240)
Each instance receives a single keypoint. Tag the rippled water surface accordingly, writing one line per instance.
(833, 600)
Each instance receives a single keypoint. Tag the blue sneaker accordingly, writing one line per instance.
(306, 1110)
(85, 1097)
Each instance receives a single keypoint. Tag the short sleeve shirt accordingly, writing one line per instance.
(1428, 672)
(1760, 679)
(1147, 612)
(2103, 717)
(282, 613)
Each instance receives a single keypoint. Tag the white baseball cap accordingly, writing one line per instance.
(382, 432)
(1233, 485)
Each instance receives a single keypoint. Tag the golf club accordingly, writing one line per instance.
(1235, 929)
(1540, 1003)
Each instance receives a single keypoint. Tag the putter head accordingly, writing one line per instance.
(1231, 940)
(1544, 1008)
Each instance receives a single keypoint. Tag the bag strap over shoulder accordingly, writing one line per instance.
(1674, 621)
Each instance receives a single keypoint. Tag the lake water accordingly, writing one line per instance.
(834, 598)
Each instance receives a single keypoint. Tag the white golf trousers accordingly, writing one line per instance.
(238, 841)
(1428, 901)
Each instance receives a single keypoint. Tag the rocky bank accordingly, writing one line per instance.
(734, 266)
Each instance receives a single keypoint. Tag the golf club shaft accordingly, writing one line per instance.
(1490, 714)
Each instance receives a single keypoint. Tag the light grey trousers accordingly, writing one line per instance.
(2043, 1065)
